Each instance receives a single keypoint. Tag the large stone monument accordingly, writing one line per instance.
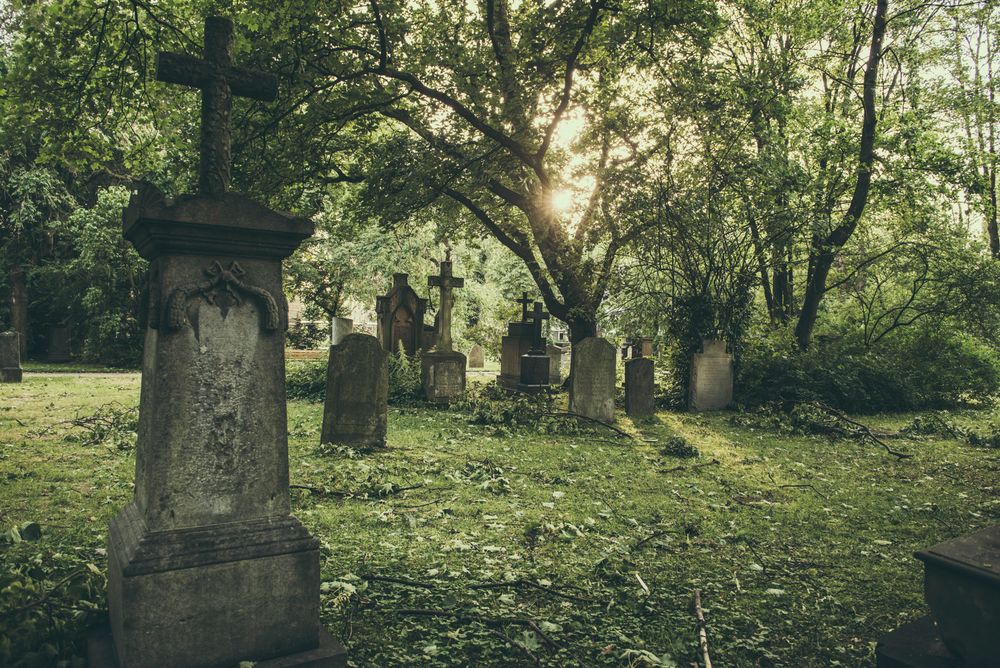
(207, 567)
(711, 377)
(443, 369)
(592, 379)
(400, 314)
(639, 387)
(514, 346)
(535, 364)
(962, 589)
(357, 392)
(10, 357)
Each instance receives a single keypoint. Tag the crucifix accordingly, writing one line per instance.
(446, 282)
(538, 343)
(219, 79)
(524, 301)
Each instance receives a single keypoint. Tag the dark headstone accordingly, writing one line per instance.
(711, 377)
(357, 391)
(514, 346)
(592, 379)
(10, 358)
(59, 346)
(535, 365)
(477, 359)
(639, 387)
(400, 314)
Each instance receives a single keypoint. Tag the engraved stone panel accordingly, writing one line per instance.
(592, 379)
(357, 391)
(711, 378)
(443, 375)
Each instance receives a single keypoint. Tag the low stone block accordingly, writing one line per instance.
(534, 373)
(443, 376)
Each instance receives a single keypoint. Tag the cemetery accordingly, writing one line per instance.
(499, 334)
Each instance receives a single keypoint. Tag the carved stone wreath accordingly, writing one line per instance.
(227, 280)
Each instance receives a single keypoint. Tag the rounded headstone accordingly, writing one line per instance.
(357, 392)
(592, 379)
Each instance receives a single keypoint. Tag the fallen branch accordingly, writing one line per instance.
(864, 429)
(522, 584)
(340, 494)
(714, 462)
(472, 617)
(702, 634)
(321, 491)
(44, 598)
(590, 419)
(653, 536)
(400, 581)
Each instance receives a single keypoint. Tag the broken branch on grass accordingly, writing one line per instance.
(865, 430)
(44, 598)
(527, 584)
(702, 634)
(590, 419)
(714, 462)
(400, 581)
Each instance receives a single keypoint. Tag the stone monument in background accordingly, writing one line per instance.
(592, 379)
(557, 359)
(207, 566)
(59, 349)
(356, 407)
(515, 346)
(535, 364)
(339, 328)
(711, 377)
(10, 357)
(442, 371)
(477, 358)
(639, 387)
(400, 314)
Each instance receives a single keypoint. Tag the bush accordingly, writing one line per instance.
(307, 335)
(507, 412)
(405, 384)
(306, 379)
(913, 371)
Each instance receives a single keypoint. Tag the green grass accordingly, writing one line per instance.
(802, 546)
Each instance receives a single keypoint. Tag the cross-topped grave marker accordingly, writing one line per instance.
(446, 282)
(535, 364)
(538, 316)
(218, 80)
(524, 301)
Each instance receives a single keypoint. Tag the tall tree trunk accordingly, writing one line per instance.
(19, 307)
(825, 251)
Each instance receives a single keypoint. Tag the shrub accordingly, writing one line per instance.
(306, 379)
(405, 385)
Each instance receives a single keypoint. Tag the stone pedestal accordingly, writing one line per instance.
(557, 356)
(592, 379)
(639, 387)
(59, 346)
(10, 358)
(711, 377)
(534, 372)
(443, 376)
(356, 407)
(477, 359)
(206, 565)
(915, 645)
(339, 328)
(514, 347)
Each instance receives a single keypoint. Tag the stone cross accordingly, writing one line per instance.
(446, 282)
(524, 301)
(218, 80)
(537, 316)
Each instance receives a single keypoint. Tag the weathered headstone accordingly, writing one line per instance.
(962, 589)
(639, 387)
(535, 364)
(515, 346)
(443, 369)
(557, 359)
(10, 358)
(357, 392)
(400, 314)
(477, 359)
(642, 347)
(207, 566)
(711, 377)
(339, 328)
(592, 379)
(59, 345)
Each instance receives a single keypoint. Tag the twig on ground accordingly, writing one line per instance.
(702, 634)
(400, 581)
(44, 598)
(321, 491)
(865, 430)
(590, 419)
(528, 584)
(803, 485)
(714, 462)
(652, 536)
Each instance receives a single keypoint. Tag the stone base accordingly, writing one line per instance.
(508, 382)
(534, 372)
(10, 375)
(915, 645)
(329, 653)
(443, 376)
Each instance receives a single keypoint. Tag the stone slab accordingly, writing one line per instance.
(356, 407)
(443, 376)
(711, 378)
(639, 387)
(558, 356)
(534, 373)
(592, 379)
(477, 359)
(59, 345)
(915, 645)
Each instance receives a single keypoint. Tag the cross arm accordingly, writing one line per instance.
(180, 68)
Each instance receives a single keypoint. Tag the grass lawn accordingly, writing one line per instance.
(510, 550)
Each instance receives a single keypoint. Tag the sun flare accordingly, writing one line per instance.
(562, 200)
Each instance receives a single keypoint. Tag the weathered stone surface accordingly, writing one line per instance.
(915, 645)
(10, 357)
(400, 315)
(206, 564)
(639, 387)
(534, 372)
(513, 347)
(558, 358)
(711, 378)
(357, 392)
(340, 327)
(443, 376)
(592, 379)
(59, 345)
(477, 359)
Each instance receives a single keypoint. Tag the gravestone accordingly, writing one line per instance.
(339, 328)
(642, 347)
(711, 377)
(639, 387)
(207, 566)
(515, 346)
(59, 346)
(962, 589)
(557, 360)
(400, 316)
(592, 379)
(10, 358)
(535, 364)
(477, 359)
(443, 369)
(357, 392)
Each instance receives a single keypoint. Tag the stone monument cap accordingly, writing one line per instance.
(977, 554)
